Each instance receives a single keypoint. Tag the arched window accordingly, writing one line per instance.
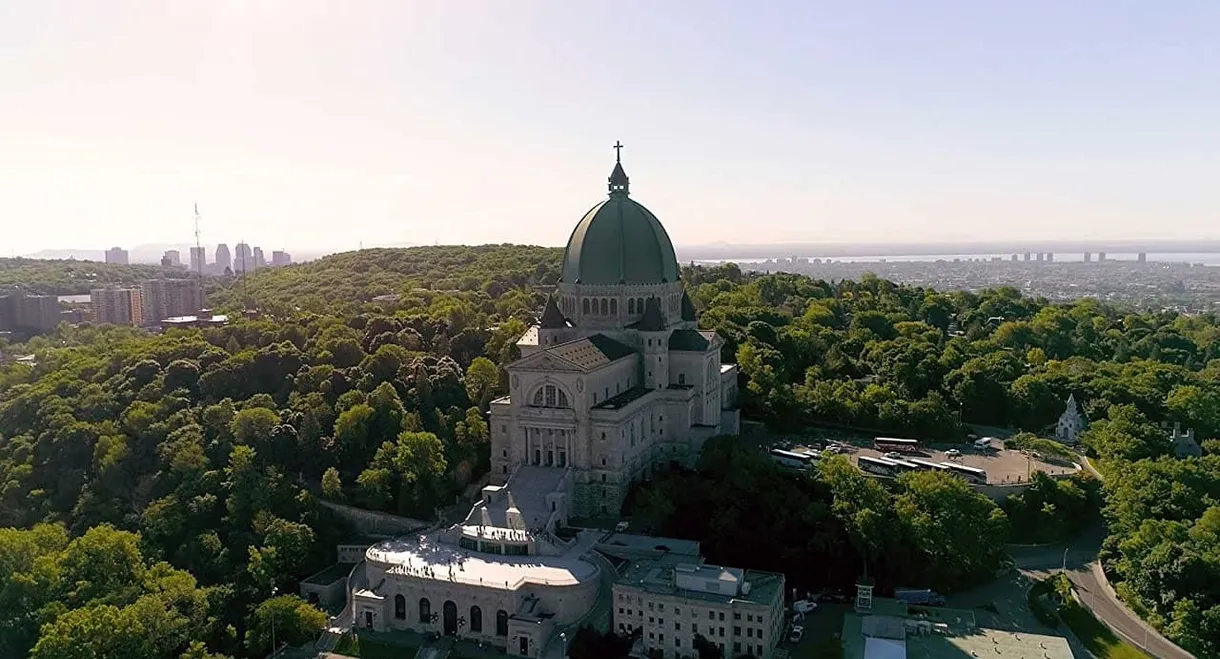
(425, 610)
(501, 623)
(639, 304)
(630, 306)
(400, 607)
(476, 619)
(550, 396)
(613, 306)
(605, 307)
(584, 306)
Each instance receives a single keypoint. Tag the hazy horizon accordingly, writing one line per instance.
(316, 126)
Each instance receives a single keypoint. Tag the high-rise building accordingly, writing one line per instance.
(280, 258)
(172, 258)
(1101, 257)
(29, 313)
(168, 298)
(1088, 256)
(118, 306)
(199, 259)
(1142, 257)
(1027, 256)
(260, 261)
(1040, 257)
(243, 258)
(1050, 257)
(223, 260)
(116, 255)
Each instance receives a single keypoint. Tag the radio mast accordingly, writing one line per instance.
(199, 256)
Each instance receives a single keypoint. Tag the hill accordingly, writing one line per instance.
(72, 277)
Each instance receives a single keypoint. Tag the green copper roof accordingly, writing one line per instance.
(619, 242)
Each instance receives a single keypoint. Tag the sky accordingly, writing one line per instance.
(325, 125)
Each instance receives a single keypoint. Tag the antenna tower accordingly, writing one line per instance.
(199, 258)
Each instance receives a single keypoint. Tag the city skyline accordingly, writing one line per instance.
(391, 124)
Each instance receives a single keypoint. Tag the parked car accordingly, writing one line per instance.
(893, 456)
(795, 635)
(798, 618)
(804, 606)
(953, 453)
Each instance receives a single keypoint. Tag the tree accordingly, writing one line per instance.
(482, 381)
(959, 532)
(295, 622)
(253, 426)
(332, 488)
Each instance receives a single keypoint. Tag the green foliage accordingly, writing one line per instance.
(588, 643)
(71, 277)
(1051, 510)
(294, 620)
(824, 530)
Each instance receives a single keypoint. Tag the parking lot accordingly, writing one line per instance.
(1003, 466)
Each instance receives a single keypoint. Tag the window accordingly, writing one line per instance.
(722, 631)
(613, 306)
(505, 453)
(661, 608)
(737, 615)
(605, 305)
(758, 649)
(749, 617)
(651, 621)
(677, 626)
(425, 610)
(681, 378)
(476, 619)
(661, 638)
(504, 469)
(584, 306)
(711, 615)
(603, 478)
(501, 623)
(677, 611)
(750, 632)
(400, 607)
(722, 616)
(737, 631)
(677, 642)
(736, 646)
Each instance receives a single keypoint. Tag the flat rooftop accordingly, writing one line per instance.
(988, 643)
(330, 575)
(427, 558)
(655, 575)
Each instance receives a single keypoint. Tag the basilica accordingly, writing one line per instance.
(615, 380)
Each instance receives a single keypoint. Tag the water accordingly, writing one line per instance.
(1212, 259)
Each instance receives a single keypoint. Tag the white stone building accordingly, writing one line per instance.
(614, 380)
(1071, 423)
(672, 597)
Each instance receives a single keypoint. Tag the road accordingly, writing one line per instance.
(1080, 561)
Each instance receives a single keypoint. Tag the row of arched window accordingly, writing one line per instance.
(550, 396)
(474, 622)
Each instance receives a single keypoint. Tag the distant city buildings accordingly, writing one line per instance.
(1101, 257)
(243, 259)
(1088, 256)
(28, 313)
(199, 259)
(118, 306)
(224, 261)
(116, 255)
(172, 258)
(280, 258)
(259, 260)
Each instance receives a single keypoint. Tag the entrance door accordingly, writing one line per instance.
(450, 614)
(525, 646)
(368, 619)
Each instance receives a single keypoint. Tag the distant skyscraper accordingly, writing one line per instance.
(1050, 256)
(1142, 257)
(1027, 256)
(116, 255)
(1088, 256)
(1014, 258)
(199, 258)
(118, 306)
(171, 258)
(280, 258)
(260, 261)
(1040, 257)
(243, 258)
(1101, 256)
(223, 259)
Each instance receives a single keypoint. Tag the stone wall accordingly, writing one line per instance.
(375, 523)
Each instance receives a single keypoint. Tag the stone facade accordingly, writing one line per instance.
(1071, 423)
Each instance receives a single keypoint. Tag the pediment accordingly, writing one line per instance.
(545, 361)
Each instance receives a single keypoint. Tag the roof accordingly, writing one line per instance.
(585, 354)
(687, 340)
(622, 399)
(656, 575)
(688, 307)
(619, 241)
(552, 317)
(652, 320)
(329, 575)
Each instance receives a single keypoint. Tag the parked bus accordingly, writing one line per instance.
(893, 444)
(792, 459)
(971, 474)
(928, 466)
(905, 465)
(878, 466)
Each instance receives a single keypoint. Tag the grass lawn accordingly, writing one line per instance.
(367, 648)
(1096, 636)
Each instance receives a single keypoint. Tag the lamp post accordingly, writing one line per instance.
(274, 591)
(563, 636)
(1065, 559)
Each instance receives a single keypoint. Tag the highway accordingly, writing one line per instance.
(1080, 560)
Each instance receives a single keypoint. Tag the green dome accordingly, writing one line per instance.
(619, 242)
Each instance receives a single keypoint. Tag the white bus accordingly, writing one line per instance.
(928, 466)
(792, 459)
(971, 474)
(886, 444)
(878, 466)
